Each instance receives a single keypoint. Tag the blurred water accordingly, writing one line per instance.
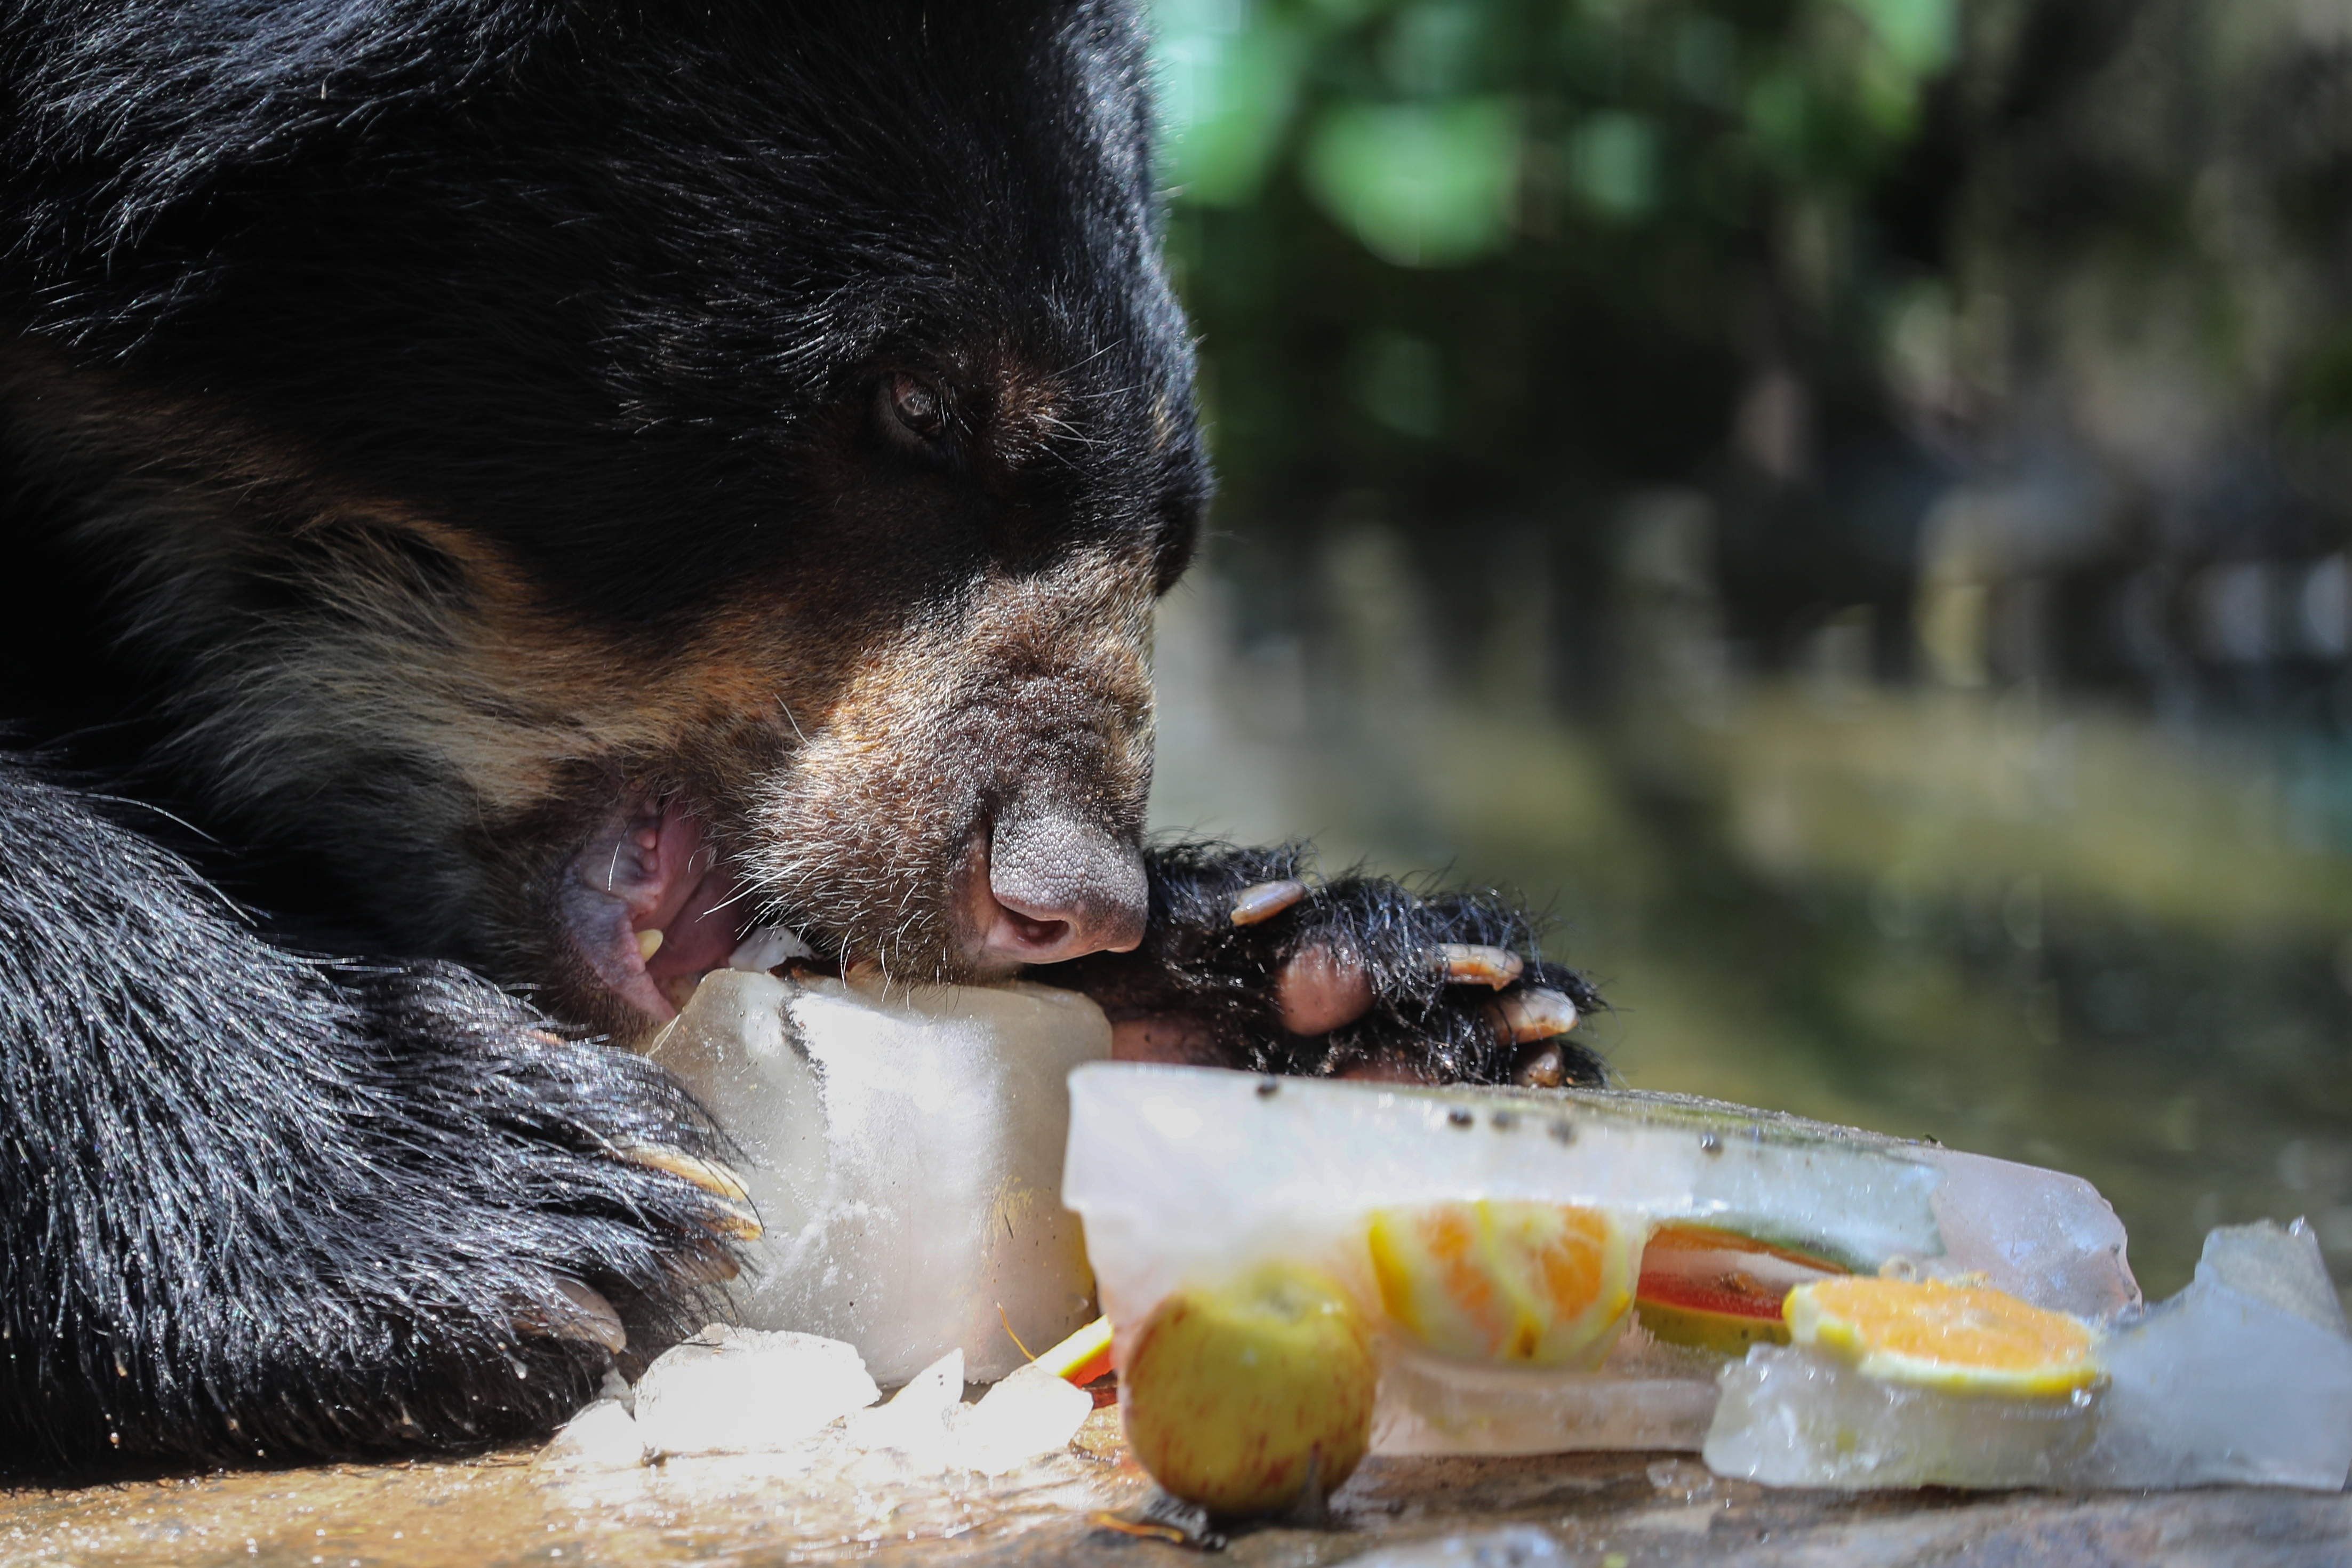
(2036, 929)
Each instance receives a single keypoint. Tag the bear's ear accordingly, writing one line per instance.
(112, 115)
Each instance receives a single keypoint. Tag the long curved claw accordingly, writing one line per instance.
(1541, 1069)
(1263, 900)
(585, 1316)
(1473, 963)
(708, 1175)
(736, 1217)
(1537, 1014)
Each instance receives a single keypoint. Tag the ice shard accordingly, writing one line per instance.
(903, 1146)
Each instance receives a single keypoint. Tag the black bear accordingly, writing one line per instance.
(520, 493)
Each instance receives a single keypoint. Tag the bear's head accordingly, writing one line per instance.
(588, 481)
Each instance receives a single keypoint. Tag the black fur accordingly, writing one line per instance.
(437, 437)
(259, 1208)
(1196, 964)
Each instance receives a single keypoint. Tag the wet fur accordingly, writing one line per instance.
(426, 426)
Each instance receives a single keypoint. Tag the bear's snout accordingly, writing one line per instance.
(1052, 886)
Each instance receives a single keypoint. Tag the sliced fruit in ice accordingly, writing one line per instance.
(1188, 1172)
(1712, 1290)
(1250, 1397)
(2244, 1377)
(1507, 1282)
(1083, 1357)
(1927, 1333)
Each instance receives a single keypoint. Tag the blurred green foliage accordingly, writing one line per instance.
(1495, 265)
(1478, 255)
(1431, 130)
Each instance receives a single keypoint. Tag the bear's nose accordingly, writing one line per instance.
(1059, 887)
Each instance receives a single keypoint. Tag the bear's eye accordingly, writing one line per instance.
(914, 412)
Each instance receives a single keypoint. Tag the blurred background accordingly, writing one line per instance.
(1845, 502)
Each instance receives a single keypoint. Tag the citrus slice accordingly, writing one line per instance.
(1966, 1339)
(1716, 1291)
(1498, 1281)
(1083, 1357)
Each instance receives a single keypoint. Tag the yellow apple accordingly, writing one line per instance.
(1243, 1397)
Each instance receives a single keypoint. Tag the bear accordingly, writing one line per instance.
(507, 499)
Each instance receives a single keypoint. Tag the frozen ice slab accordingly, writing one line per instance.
(1185, 1171)
(903, 1146)
(741, 1391)
(1795, 1417)
(2246, 1376)
(1189, 1174)
(1644, 1396)
(2042, 1235)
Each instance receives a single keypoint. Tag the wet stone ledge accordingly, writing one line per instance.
(1607, 1510)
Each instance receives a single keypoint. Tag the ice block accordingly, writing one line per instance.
(1188, 1175)
(903, 1147)
(2244, 1376)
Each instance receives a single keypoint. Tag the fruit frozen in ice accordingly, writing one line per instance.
(1254, 1395)
(1504, 1281)
(1962, 1338)
(1713, 1290)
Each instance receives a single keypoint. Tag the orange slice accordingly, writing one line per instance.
(1495, 1281)
(1966, 1339)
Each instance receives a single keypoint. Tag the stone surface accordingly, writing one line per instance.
(1601, 1510)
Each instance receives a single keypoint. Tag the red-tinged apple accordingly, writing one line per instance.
(1247, 1397)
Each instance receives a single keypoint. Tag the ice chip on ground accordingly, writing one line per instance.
(1514, 1546)
(903, 1146)
(742, 1391)
(2246, 1376)
(616, 1388)
(1030, 1412)
(603, 1436)
(2279, 1267)
(919, 1419)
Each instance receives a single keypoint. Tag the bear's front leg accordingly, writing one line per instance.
(262, 1209)
(1248, 961)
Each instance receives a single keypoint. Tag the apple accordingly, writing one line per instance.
(1254, 1395)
